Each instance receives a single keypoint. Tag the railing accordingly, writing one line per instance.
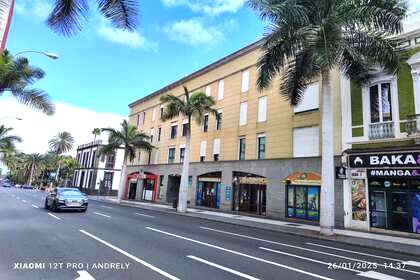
(412, 126)
(381, 130)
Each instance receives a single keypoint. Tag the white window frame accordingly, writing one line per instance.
(167, 157)
(245, 81)
(220, 89)
(260, 135)
(216, 146)
(243, 116)
(219, 111)
(170, 131)
(262, 111)
(239, 147)
(208, 90)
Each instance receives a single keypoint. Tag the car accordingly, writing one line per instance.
(6, 185)
(28, 187)
(66, 199)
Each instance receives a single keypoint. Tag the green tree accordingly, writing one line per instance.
(16, 77)
(191, 106)
(67, 16)
(60, 144)
(96, 132)
(33, 164)
(7, 142)
(306, 39)
(130, 140)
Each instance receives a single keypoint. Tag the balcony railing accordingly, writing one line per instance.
(381, 130)
(412, 126)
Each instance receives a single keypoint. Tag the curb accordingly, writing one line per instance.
(364, 242)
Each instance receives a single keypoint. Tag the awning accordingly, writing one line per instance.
(304, 178)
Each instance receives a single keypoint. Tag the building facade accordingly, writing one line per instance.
(257, 156)
(97, 174)
(381, 137)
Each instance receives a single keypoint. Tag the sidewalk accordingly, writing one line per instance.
(379, 241)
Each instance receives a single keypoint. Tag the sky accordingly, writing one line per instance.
(101, 69)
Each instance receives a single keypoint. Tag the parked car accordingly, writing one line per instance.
(28, 187)
(66, 199)
(18, 186)
(6, 185)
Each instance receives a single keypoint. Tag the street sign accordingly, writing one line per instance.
(340, 173)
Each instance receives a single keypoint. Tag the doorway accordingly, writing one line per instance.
(172, 192)
(250, 198)
(132, 190)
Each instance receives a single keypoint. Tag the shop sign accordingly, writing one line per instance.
(358, 173)
(228, 193)
(394, 173)
(402, 159)
(340, 173)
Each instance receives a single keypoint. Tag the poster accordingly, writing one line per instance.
(358, 199)
(300, 202)
(415, 206)
(313, 203)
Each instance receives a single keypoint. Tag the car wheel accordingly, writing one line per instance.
(54, 207)
(46, 205)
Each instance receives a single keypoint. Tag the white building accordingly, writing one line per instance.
(97, 174)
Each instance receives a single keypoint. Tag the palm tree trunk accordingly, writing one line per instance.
(122, 179)
(327, 182)
(32, 172)
(183, 188)
(57, 173)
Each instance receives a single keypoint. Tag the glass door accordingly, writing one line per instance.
(378, 213)
(399, 216)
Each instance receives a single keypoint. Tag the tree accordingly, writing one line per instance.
(96, 132)
(60, 144)
(67, 15)
(193, 106)
(7, 142)
(307, 39)
(128, 139)
(33, 165)
(16, 77)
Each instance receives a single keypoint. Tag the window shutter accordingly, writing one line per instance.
(245, 81)
(221, 89)
(310, 100)
(262, 109)
(203, 148)
(216, 147)
(208, 90)
(243, 113)
(154, 115)
(306, 141)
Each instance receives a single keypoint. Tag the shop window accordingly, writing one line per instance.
(380, 103)
(159, 194)
(171, 155)
(303, 202)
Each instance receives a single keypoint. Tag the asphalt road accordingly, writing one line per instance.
(119, 242)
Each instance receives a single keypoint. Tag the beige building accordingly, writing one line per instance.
(259, 155)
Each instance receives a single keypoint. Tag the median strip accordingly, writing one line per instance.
(152, 267)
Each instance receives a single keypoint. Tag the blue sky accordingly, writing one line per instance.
(104, 69)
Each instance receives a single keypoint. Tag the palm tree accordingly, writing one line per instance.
(307, 39)
(33, 165)
(96, 132)
(129, 139)
(7, 142)
(193, 106)
(16, 75)
(67, 15)
(60, 144)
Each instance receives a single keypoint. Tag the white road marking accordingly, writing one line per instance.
(100, 214)
(34, 206)
(23, 200)
(310, 250)
(54, 216)
(107, 207)
(243, 275)
(242, 254)
(154, 268)
(355, 252)
(378, 275)
(144, 215)
(84, 275)
(412, 263)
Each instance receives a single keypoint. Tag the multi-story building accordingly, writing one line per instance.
(97, 174)
(259, 155)
(381, 136)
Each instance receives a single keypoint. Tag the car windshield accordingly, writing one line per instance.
(69, 192)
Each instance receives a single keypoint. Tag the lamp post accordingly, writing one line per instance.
(50, 55)
(15, 118)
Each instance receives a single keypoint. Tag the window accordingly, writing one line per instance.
(208, 90)
(181, 154)
(203, 148)
(206, 123)
(159, 133)
(161, 111)
(243, 113)
(110, 161)
(152, 132)
(245, 81)
(310, 100)
(173, 131)
(303, 202)
(216, 149)
(202, 158)
(219, 116)
(93, 159)
(171, 155)
(154, 114)
(262, 109)
(242, 147)
(261, 146)
(380, 103)
(184, 129)
(306, 141)
(220, 90)
(140, 118)
(108, 178)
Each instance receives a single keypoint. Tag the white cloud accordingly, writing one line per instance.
(208, 7)
(192, 32)
(123, 37)
(40, 9)
(36, 128)
(413, 21)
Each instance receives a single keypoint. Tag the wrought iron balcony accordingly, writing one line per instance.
(412, 125)
(381, 130)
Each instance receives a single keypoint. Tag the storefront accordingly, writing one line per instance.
(145, 191)
(303, 196)
(249, 193)
(386, 190)
(208, 190)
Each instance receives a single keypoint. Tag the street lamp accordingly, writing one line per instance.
(47, 54)
(16, 118)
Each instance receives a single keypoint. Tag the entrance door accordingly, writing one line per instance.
(378, 206)
(399, 218)
(148, 189)
(251, 198)
(132, 191)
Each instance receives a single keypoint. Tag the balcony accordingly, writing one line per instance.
(412, 126)
(381, 130)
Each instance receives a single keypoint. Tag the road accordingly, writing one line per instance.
(118, 242)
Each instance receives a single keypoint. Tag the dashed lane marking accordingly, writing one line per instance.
(34, 206)
(54, 216)
(100, 214)
(144, 215)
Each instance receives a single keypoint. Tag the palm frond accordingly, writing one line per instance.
(122, 13)
(67, 16)
(174, 106)
(36, 99)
